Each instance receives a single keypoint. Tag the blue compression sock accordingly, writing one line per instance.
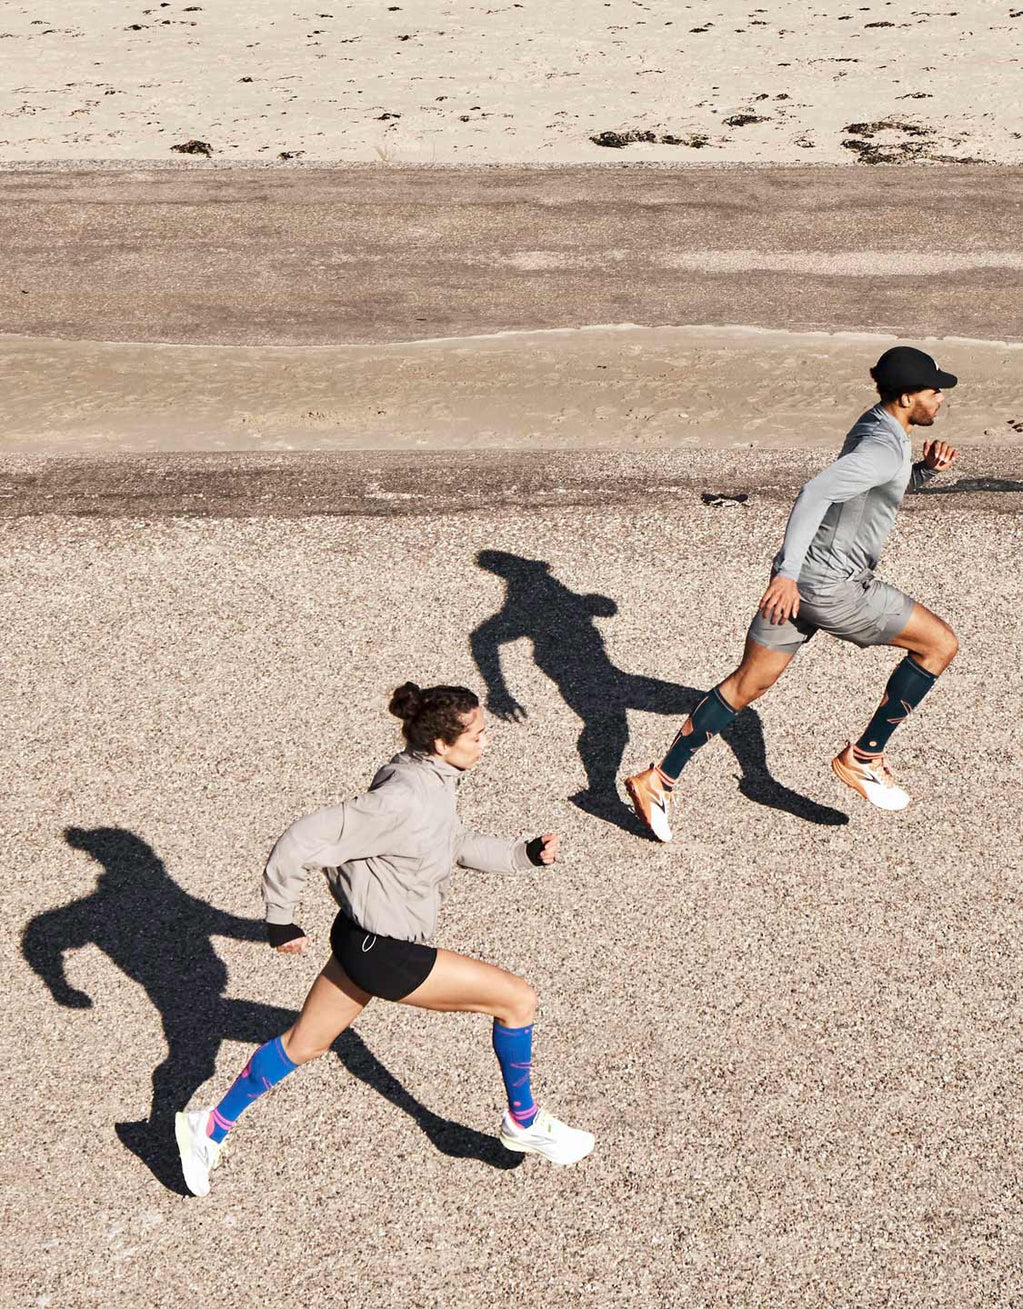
(907, 686)
(514, 1049)
(268, 1066)
(711, 715)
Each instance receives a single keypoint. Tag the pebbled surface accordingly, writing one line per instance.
(795, 1031)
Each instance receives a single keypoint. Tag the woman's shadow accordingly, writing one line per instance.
(569, 648)
(160, 936)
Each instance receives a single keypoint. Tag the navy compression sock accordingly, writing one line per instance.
(907, 686)
(711, 715)
(268, 1066)
(514, 1049)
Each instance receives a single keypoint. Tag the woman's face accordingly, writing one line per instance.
(466, 749)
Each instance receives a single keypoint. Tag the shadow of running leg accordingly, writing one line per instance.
(450, 1138)
(193, 1043)
(745, 736)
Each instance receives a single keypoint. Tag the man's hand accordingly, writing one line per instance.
(780, 601)
(939, 455)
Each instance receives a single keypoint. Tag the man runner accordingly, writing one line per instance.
(823, 579)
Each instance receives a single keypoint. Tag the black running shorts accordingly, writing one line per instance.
(381, 965)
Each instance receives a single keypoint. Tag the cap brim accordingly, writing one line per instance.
(944, 381)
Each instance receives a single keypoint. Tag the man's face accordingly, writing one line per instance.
(925, 406)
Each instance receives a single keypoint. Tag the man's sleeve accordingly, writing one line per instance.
(372, 824)
(490, 854)
(920, 476)
(872, 463)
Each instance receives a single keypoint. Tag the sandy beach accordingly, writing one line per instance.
(435, 83)
(460, 309)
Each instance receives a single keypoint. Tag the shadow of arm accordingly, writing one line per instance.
(485, 644)
(222, 923)
(44, 943)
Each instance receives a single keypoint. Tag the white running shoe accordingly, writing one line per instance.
(872, 780)
(545, 1135)
(200, 1154)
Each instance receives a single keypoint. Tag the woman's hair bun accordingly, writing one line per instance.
(406, 702)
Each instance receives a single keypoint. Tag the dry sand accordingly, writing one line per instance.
(375, 265)
(599, 388)
(795, 1031)
(528, 82)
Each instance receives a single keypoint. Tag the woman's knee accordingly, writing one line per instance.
(522, 1004)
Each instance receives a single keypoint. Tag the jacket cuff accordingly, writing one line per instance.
(521, 861)
(279, 914)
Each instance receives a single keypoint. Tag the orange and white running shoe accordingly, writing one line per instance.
(649, 797)
(872, 779)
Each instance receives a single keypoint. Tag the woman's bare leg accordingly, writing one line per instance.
(460, 985)
(333, 1003)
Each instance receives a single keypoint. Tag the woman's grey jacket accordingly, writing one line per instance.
(387, 855)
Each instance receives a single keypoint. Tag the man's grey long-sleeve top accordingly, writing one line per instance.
(841, 519)
(387, 855)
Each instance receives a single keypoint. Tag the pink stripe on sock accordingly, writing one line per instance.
(218, 1120)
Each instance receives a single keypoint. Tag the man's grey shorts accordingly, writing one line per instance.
(862, 610)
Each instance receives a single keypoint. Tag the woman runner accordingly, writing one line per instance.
(387, 857)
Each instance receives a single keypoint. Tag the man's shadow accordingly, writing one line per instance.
(159, 935)
(569, 648)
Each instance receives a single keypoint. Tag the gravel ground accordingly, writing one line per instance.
(795, 1031)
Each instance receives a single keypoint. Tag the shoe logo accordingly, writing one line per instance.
(659, 802)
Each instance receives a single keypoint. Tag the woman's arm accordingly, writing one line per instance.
(495, 854)
(371, 824)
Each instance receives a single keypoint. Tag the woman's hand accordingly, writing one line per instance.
(549, 847)
(298, 946)
(286, 938)
(542, 850)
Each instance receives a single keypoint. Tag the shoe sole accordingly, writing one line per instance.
(183, 1136)
(851, 779)
(638, 810)
(517, 1147)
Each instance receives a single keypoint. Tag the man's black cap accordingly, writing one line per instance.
(905, 369)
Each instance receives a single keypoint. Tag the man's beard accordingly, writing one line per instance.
(922, 422)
